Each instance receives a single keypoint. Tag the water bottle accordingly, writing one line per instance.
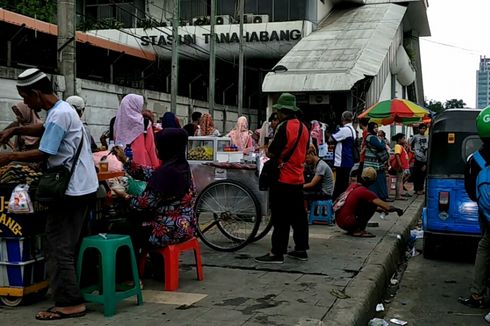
(128, 152)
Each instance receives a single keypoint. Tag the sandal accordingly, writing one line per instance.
(363, 234)
(472, 302)
(51, 314)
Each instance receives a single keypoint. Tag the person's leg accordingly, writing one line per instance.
(63, 228)
(383, 188)
(416, 177)
(341, 181)
(298, 218)
(280, 220)
(482, 266)
(399, 185)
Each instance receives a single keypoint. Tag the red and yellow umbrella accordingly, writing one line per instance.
(395, 111)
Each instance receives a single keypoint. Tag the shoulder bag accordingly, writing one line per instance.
(382, 155)
(271, 169)
(356, 153)
(54, 182)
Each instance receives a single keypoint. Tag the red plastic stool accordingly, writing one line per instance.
(170, 256)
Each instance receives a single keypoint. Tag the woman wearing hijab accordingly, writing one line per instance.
(206, 126)
(241, 136)
(168, 200)
(132, 128)
(169, 120)
(25, 117)
(374, 149)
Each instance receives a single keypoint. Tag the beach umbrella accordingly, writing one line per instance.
(395, 111)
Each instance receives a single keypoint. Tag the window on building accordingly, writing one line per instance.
(281, 10)
(265, 8)
(124, 11)
(297, 9)
(193, 8)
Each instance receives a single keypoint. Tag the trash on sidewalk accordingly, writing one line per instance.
(394, 281)
(380, 307)
(415, 234)
(487, 317)
(378, 322)
(398, 321)
(339, 294)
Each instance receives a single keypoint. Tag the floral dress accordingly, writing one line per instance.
(168, 220)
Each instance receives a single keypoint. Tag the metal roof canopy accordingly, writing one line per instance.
(349, 45)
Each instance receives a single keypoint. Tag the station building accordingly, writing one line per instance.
(334, 55)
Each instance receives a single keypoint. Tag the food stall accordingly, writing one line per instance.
(22, 262)
(231, 211)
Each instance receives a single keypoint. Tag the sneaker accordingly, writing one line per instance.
(270, 259)
(300, 255)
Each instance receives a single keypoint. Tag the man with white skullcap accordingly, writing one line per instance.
(79, 105)
(61, 135)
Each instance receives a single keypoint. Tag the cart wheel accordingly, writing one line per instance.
(227, 215)
(11, 301)
(264, 228)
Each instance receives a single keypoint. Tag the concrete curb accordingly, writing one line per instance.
(367, 288)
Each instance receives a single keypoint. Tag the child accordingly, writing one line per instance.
(402, 165)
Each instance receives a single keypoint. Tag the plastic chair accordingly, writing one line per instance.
(170, 256)
(321, 212)
(107, 246)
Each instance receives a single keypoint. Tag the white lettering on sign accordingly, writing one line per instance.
(11, 224)
(486, 118)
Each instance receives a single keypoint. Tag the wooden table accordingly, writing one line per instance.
(102, 176)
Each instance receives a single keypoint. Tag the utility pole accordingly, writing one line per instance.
(212, 59)
(175, 56)
(66, 54)
(240, 61)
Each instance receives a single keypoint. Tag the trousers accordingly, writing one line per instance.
(64, 224)
(288, 211)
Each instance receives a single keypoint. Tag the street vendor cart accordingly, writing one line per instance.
(230, 209)
(22, 262)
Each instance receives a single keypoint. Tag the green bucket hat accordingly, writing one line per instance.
(286, 101)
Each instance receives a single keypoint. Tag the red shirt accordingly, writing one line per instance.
(357, 203)
(284, 139)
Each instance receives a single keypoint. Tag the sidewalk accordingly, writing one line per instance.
(238, 291)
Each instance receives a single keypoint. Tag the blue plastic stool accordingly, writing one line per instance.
(321, 212)
(107, 247)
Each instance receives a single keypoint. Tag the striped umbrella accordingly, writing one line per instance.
(395, 111)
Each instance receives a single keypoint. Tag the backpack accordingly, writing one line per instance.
(356, 153)
(483, 185)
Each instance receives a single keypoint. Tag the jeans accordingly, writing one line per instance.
(287, 210)
(419, 175)
(482, 265)
(64, 224)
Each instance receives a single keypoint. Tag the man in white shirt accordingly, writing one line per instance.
(61, 135)
(344, 140)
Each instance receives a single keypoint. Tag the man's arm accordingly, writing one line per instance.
(35, 130)
(312, 184)
(34, 155)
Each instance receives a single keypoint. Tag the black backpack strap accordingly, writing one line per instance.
(287, 157)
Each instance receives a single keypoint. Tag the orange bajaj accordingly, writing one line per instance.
(449, 211)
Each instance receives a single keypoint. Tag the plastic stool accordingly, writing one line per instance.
(170, 256)
(321, 212)
(107, 247)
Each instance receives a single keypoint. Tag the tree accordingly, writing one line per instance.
(44, 10)
(454, 104)
(434, 106)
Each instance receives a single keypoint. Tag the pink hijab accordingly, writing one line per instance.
(129, 120)
(30, 117)
(240, 135)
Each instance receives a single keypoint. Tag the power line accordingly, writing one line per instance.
(452, 46)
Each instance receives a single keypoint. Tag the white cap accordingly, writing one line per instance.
(30, 76)
(76, 102)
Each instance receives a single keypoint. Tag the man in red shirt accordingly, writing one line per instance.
(286, 195)
(355, 207)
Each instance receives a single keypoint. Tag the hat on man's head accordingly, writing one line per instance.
(369, 174)
(76, 102)
(287, 102)
(30, 76)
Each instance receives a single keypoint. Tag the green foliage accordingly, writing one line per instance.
(44, 10)
(454, 104)
(434, 106)
(107, 23)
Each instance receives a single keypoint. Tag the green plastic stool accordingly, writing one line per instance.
(107, 247)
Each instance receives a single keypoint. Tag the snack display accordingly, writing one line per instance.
(200, 154)
(19, 173)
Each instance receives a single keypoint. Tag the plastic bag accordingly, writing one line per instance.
(136, 187)
(20, 201)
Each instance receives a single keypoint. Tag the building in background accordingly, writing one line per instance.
(483, 83)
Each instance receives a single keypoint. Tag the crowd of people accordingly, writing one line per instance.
(158, 157)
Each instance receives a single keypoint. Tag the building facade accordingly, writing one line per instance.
(483, 83)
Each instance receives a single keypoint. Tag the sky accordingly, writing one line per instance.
(449, 71)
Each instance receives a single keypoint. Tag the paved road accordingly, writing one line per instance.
(428, 294)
